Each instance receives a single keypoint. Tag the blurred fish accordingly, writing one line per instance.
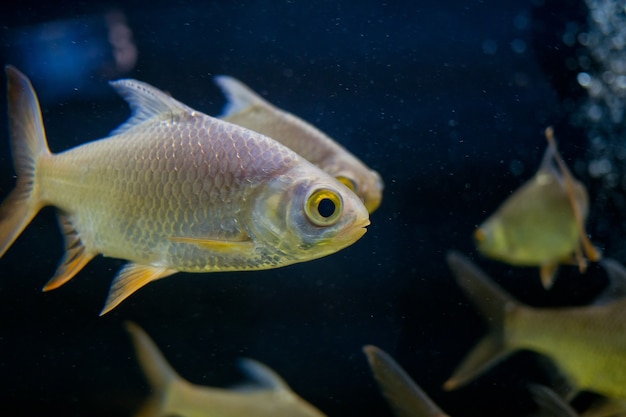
(588, 344)
(248, 109)
(173, 190)
(269, 395)
(551, 403)
(542, 223)
(404, 396)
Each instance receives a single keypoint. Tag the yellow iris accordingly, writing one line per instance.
(324, 207)
(347, 182)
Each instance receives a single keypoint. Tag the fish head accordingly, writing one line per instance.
(365, 183)
(306, 214)
(491, 239)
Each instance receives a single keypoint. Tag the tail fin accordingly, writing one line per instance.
(404, 396)
(162, 378)
(494, 304)
(28, 144)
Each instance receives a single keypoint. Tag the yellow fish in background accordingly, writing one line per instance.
(542, 223)
(269, 395)
(173, 190)
(588, 344)
(248, 109)
(407, 399)
(404, 396)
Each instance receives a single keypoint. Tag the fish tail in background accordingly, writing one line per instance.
(404, 396)
(163, 379)
(28, 144)
(494, 304)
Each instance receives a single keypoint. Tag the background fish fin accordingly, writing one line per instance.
(592, 253)
(488, 352)
(164, 381)
(130, 278)
(550, 402)
(145, 103)
(404, 396)
(215, 244)
(75, 258)
(263, 375)
(616, 288)
(493, 303)
(547, 273)
(488, 297)
(238, 95)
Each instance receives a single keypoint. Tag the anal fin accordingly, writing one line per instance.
(130, 278)
(75, 258)
(547, 273)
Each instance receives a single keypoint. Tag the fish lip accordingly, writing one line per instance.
(358, 229)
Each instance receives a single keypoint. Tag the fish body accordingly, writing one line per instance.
(542, 223)
(173, 190)
(588, 344)
(269, 395)
(248, 109)
(404, 396)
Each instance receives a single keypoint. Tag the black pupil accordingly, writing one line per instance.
(326, 207)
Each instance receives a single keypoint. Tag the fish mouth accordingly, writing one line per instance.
(355, 232)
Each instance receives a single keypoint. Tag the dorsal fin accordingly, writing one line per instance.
(145, 103)
(570, 182)
(239, 96)
(262, 375)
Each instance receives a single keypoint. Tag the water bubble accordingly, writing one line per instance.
(584, 79)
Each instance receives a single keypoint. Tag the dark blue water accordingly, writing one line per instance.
(447, 100)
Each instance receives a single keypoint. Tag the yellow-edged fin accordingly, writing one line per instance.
(214, 244)
(404, 396)
(130, 278)
(75, 258)
(592, 253)
(547, 274)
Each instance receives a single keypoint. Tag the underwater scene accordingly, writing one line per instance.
(330, 208)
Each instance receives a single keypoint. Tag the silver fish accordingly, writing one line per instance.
(173, 190)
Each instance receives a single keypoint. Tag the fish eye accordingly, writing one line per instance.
(351, 184)
(323, 207)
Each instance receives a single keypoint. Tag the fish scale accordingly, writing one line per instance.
(119, 189)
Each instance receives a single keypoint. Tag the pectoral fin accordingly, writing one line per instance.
(130, 278)
(75, 258)
(215, 244)
(547, 273)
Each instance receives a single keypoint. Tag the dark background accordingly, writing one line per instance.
(447, 100)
